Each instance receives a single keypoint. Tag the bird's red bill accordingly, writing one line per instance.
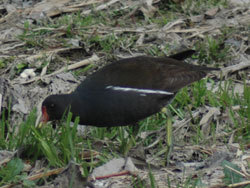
(45, 116)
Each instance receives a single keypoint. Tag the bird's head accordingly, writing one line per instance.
(53, 107)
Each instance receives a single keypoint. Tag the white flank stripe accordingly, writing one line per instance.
(143, 91)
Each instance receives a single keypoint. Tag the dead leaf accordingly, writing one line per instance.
(21, 107)
(242, 65)
(148, 9)
(72, 176)
(217, 157)
(211, 13)
(212, 111)
(48, 7)
(205, 121)
(197, 19)
(111, 167)
(5, 156)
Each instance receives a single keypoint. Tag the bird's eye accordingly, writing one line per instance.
(52, 105)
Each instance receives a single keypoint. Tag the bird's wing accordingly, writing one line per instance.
(163, 74)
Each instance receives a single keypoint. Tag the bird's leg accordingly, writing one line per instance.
(133, 131)
(169, 136)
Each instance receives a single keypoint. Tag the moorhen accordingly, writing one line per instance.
(126, 91)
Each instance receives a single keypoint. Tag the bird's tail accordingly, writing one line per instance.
(182, 55)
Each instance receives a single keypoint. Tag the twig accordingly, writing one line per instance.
(50, 29)
(139, 42)
(198, 33)
(131, 13)
(13, 47)
(185, 121)
(0, 103)
(92, 59)
(189, 30)
(44, 70)
(172, 24)
(159, 138)
(244, 64)
(239, 184)
(45, 174)
(112, 175)
(236, 171)
(38, 176)
(85, 4)
(101, 7)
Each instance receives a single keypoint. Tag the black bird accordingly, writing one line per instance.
(126, 91)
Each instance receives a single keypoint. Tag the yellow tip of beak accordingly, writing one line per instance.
(164, 110)
(40, 125)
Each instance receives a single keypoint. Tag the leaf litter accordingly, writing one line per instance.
(25, 92)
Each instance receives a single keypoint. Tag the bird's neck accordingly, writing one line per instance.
(65, 104)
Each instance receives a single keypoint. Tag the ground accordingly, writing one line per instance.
(49, 47)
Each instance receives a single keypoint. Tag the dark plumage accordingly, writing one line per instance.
(126, 91)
